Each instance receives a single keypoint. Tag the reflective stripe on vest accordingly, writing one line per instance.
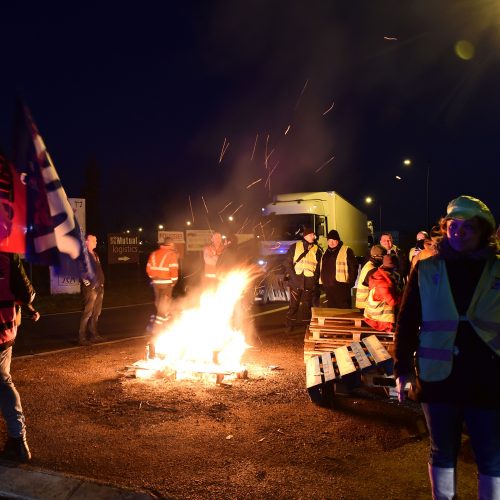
(363, 290)
(306, 265)
(378, 310)
(440, 317)
(341, 274)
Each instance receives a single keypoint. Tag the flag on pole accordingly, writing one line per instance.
(53, 235)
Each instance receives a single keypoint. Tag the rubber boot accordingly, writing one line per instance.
(489, 487)
(16, 449)
(443, 482)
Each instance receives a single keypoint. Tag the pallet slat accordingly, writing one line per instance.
(360, 355)
(376, 349)
(345, 367)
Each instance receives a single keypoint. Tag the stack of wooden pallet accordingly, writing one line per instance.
(347, 367)
(332, 328)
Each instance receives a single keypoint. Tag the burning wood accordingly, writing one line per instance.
(204, 342)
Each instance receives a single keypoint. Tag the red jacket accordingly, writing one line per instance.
(163, 266)
(386, 290)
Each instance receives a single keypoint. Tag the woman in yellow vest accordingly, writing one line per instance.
(450, 317)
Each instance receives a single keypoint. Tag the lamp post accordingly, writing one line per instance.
(407, 162)
(369, 201)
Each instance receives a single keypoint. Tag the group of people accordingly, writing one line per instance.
(447, 334)
(447, 329)
(309, 271)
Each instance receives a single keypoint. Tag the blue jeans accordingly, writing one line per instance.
(10, 403)
(92, 307)
(445, 421)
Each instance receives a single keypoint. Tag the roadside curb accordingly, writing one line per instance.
(30, 484)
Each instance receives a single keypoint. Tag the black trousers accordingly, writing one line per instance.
(338, 295)
(298, 295)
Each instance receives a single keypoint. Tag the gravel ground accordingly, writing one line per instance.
(259, 437)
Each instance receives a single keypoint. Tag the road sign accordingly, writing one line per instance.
(68, 284)
(123, 249)
(177, 237)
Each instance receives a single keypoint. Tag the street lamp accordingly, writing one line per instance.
(407, 162)
(369, 200)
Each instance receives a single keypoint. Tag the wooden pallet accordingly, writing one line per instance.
(333, 327)
(348, 367)
(314, 347)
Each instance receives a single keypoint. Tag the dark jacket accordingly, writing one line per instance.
(15, 290)
(476, 369)
(301, 281)
(328, 267)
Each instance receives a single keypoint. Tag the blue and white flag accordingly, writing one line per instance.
(53, 235)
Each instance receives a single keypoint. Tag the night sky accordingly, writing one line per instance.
(150, 95)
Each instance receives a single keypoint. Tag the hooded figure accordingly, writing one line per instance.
(377, 252)
(384, 295)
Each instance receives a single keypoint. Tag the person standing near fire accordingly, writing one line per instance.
(211, 254)
(15, 291)
(163, 271)
(302, 266)
(339, 269)
(448, 337)
(93, 295)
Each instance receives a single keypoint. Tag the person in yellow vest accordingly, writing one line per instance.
(338, 272)
(302, 263)
(211, 254)
(450, 316)
(377, 253)
(384, 296)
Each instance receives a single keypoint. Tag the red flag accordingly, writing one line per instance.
(12, 209)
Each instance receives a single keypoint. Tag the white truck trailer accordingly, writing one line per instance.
(281, 225)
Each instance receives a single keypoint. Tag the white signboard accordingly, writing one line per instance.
(177, 236)
(197, 239)
(66, 284)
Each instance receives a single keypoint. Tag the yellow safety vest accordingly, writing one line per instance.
(306, 265)
(342, 271)
(362, 290)
(378, 310)
(440, 317)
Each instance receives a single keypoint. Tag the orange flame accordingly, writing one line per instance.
(204, 339)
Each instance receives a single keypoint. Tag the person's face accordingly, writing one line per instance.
(386, 241)
(333, 243)
(430, 245)
(463, 235)
(91, 242)
(310, 237)
(420, 236)
(217, 239)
